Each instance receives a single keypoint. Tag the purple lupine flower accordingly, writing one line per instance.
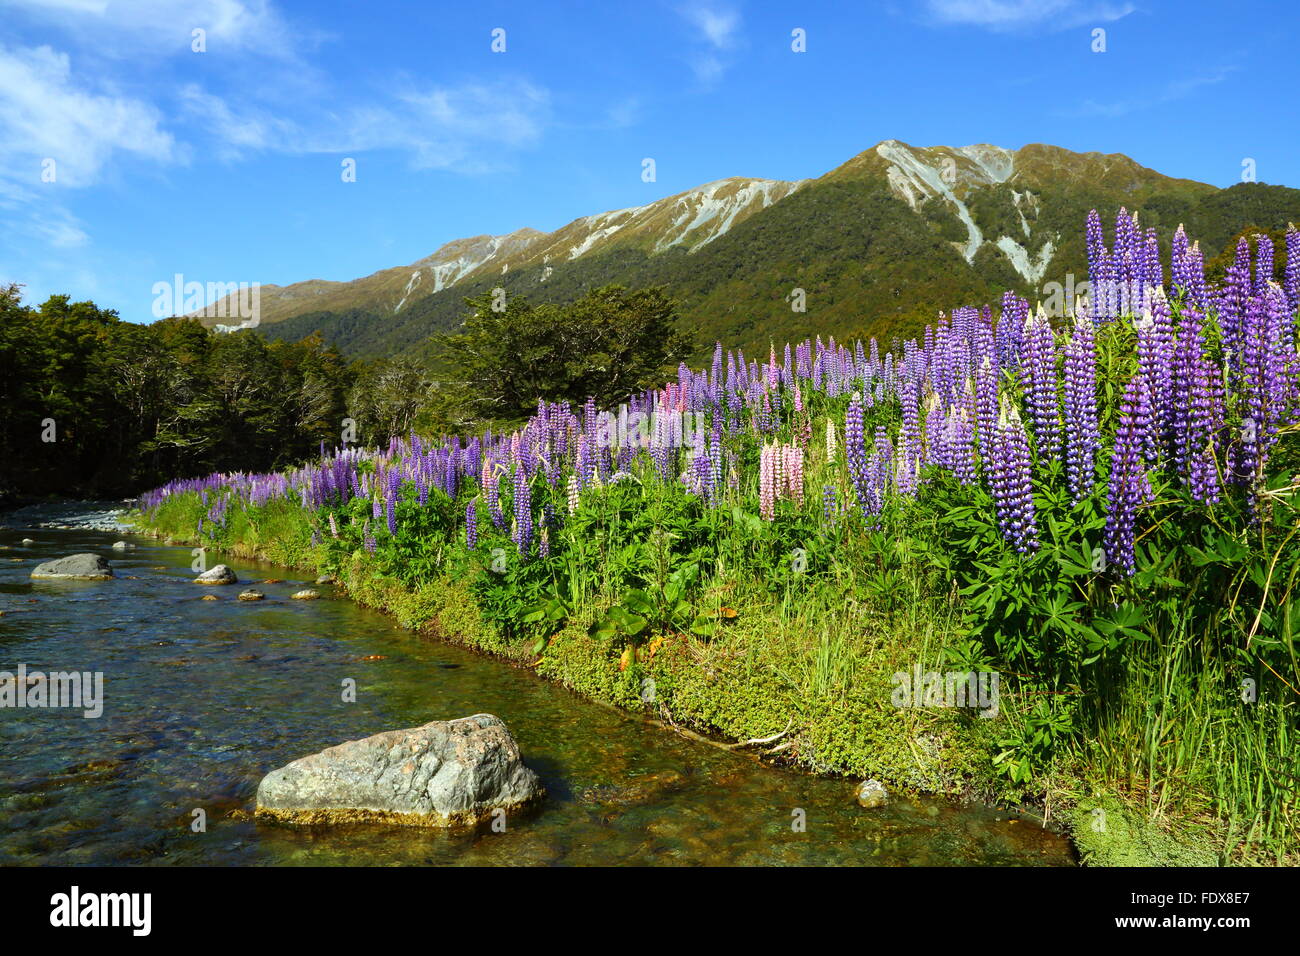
(1197, 408)
(1038, 376)
(1264, 387)
(961, 445)
(830, 504)
(1153, 272)
(1128, 478)
(1291, 282)
(1263, 263)
(471, 524)
(492, 487)
(880, 472)
(1155, 365)
(855, 453)
(1096, 245)
(1232, 307)
(936, 435)
(1179, 264)
(1011, 330)
(1082, 432)
(1010, 481)
(522, 533)
(986, 404)
(909, 433)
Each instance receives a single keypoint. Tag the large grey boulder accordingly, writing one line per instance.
(221, 574)
(445, 773)
(76, 567)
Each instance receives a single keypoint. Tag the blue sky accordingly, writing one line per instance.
(225, 165)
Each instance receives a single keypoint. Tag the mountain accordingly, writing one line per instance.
(877, 245)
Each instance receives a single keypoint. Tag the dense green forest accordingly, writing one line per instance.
(95, 405)
(99, 406)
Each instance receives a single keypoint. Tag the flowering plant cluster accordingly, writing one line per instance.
(1103, 500)
(1213, 379)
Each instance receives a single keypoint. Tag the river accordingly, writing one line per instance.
(202, 698)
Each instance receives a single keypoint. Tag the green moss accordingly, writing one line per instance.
(1107, 833)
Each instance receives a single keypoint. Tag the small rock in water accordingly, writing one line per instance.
(119, 545)
(306, 594)
(28, 542)
(77, 567)
(445, 773)
(221, 574)
(252, 594)
(872, 794)
(208, 597)
(325, 579)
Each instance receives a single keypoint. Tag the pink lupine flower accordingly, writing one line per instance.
(767, 481)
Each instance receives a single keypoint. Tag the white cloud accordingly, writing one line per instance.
(716, 25)
(251, 130)
(717, 31)
(442, 127)
(1176, 90)
(56, 227)
(121, 28)
(47, 113)
(58, 132)
(1023, 14)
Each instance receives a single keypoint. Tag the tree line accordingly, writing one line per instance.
(97, 406)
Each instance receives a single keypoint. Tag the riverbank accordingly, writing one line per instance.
(805, 683)
(203, 698)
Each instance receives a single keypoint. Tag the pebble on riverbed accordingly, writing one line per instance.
(252, 594)
(221, 574)
(306, 594)
(872, 794)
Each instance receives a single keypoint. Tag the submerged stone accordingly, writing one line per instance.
(251, 594)
(77, 567)
(306, 594)
(872, 794)
(444, 773)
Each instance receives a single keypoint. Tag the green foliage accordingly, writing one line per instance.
(136, 405)
(608, 344)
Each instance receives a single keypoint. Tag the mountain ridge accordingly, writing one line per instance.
(976, 220)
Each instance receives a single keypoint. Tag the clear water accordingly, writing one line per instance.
(202, 698)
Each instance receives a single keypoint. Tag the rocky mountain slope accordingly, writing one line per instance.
(875, 246)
